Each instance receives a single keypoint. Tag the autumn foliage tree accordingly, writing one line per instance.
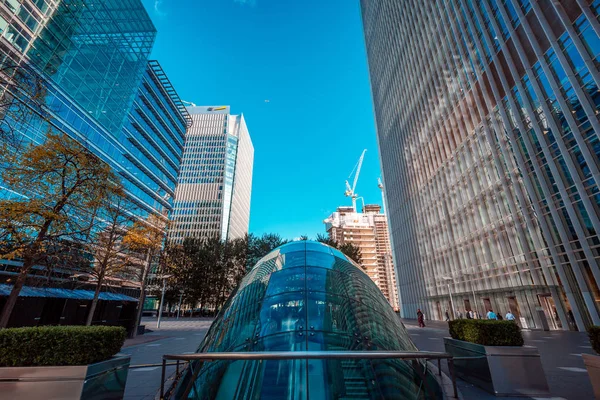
(146, 236)
(58, 183)
(108, 244)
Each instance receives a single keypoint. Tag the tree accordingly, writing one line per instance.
(111, 255)
(260, 246)
(206, 270)
(145, 236)
(59, 182)
(326, 239)
(22, 97)
(350, 250)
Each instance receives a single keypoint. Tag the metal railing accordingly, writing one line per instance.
(306, 355)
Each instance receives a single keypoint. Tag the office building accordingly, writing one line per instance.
(369, 232)
(101, 88)
(307, 296)
(215, 183)
(487, 122)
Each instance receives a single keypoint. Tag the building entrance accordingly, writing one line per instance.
(550, 312)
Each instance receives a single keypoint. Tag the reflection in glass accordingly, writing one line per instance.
(306, 296)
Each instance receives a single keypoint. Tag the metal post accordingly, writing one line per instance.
(179, 307)
(162, 302)
(439, 366)
(452, 376)
(162, 380)
(451, 302)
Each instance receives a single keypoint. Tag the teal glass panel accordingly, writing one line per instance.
(305, 296)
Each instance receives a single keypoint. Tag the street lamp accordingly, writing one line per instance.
(472, 276)
(162, 298)
(448, 280)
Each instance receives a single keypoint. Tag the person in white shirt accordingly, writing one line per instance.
(510, 316)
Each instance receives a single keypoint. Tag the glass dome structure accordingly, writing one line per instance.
(307, 296)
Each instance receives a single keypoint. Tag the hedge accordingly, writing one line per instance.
(486, 332)
(594, 334)
(59, 345)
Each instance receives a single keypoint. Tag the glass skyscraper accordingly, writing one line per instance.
(94, 50)
(101, 88)
(487, 122)
(215, 183)
(307, 296)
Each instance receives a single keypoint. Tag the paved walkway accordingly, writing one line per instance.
(174, 337)
(560, 352)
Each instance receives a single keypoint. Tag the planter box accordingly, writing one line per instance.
(500, 370)
(592, 363)
(103, 380)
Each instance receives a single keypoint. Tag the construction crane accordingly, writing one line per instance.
(380, 186)
(351, 191)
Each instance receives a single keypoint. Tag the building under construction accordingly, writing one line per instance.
(368, 231)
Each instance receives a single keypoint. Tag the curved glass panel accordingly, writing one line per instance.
(306, 296)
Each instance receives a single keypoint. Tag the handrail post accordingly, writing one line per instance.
(162, 379)
(452, 376)
(203, 357)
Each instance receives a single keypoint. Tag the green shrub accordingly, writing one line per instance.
(594, 334)
(59, 345)
(486, 332)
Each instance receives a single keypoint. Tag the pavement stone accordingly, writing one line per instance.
(175, 336)
(560, 352)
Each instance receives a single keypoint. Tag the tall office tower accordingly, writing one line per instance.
(101, 90)
(487, 121)
(154, 136)
(215, 183)
(369, 232)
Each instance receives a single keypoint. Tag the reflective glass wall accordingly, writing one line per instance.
(101, 89)
(94, 50)
(307, 296)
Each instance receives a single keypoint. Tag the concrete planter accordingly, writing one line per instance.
(500, 370)
(104, 380)
(592, 363)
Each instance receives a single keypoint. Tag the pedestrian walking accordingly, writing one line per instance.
(491, 315)
(469, 314)
(421, 318)
(509, 316)
(459, 314)
(447, 316)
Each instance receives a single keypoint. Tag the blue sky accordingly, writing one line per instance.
(307, 58)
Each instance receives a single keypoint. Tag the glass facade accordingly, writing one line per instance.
(487, 121)
(306, 296)
(153, 136)
(101, 89)
(94, 50)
